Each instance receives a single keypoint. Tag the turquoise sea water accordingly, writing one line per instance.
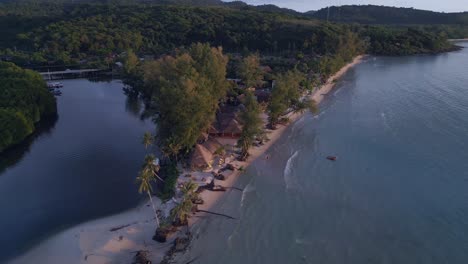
(398, 192)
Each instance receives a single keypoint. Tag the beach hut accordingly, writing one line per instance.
(203, 138)
(212, 145)
(201, 158)
(226, 124)
(232, 129)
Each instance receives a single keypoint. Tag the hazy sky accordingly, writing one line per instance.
(305, 5)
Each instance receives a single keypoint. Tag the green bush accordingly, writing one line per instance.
(169, 173)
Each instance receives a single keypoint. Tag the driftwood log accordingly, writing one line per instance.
(213, 213)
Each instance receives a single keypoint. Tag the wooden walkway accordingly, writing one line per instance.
(50, 75)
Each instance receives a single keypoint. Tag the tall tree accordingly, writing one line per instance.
(146, 177)
(251, 124)
(132, 73)
(181, 212)
(131, 63)
(148, 139)
(249, 70)
(186, 90)
(286, 93)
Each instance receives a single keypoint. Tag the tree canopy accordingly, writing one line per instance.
(185, 90)
(24, 101)
(96, 34)
(286, 93)
(373, 14)
(249, 70)
(251, 123)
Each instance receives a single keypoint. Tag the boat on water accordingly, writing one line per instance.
(54, 85)
(56, 92)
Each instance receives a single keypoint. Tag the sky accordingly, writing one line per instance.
(306, 5)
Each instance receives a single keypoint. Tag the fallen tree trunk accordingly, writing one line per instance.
(208, 212)
(235, 188)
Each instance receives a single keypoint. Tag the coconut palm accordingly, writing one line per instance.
(172, 148)
(151, 165)
(148, 175)
(148, 139)
(188, 189)
(181, 212)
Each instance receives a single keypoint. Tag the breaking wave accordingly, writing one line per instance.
(248, 189)
(289, 179)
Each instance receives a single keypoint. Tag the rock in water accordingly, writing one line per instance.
(181, 244)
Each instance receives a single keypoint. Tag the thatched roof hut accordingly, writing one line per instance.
(212, 145)
(226, 124)
(232, 128)
(201, 158)
(203, 138)
(212, 130)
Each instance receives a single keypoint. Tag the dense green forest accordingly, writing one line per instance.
(96, 34)
(391, 41)
(452, 25)
(372, 14)
(24, 101)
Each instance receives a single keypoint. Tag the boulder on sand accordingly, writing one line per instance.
(161, 234)
(221, 177)
(181, 244)
(229, 166)
(141, 257)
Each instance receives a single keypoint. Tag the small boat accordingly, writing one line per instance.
(332, 158)
(52, 85)
(56, 92)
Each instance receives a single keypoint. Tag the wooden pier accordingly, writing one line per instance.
(69, 74)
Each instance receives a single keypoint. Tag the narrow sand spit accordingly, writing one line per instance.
(93, 242)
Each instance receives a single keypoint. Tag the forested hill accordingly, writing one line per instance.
(269, 8)
(372, 14)
(96, 34)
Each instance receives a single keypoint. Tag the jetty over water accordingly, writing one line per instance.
(53, 75)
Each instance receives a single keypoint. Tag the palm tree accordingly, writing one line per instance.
(181, 212)
(172, 148)
(148, 139)
(148, 175)
(188, 189)
(151, 165)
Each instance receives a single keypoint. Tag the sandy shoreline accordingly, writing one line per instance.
(462, 39)
(93, 242)
(211, 198)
